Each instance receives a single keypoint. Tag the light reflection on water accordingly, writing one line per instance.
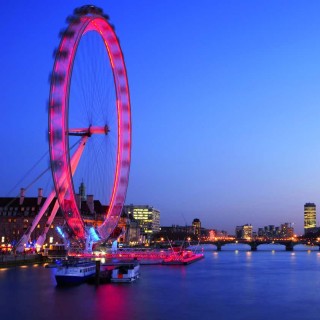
(262, 247)
(225, 285)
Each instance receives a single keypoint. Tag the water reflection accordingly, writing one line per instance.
(271, 247)
(113, 301)
(224, 285)
(235, 247)
(303, 247)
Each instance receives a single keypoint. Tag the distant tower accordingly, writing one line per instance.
(22, 195)
(82, 192)
(197, 226)
(310, 217)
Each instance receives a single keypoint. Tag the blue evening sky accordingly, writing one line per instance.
(225, 103)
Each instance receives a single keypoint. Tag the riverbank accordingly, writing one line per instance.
(12, 260)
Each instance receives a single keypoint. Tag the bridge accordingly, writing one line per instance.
(254, 243)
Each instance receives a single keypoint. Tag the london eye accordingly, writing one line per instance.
(90, 121)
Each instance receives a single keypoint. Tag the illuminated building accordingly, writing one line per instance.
(309, 217)
(212, 235)
(17, 215)
(244, 232)
(285, 230)
(147, 217)
(197, 226)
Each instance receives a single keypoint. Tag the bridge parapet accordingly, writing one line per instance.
(289, 244)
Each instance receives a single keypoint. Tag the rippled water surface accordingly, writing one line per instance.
(226, 285)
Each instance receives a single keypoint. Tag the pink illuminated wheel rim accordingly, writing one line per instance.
(89, 103)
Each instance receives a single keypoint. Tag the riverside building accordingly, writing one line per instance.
(147, 217)
(244, 232)
(285, 230)
(18, 213)
(310, 218)
(196, 223)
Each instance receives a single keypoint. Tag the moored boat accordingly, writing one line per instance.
(75, 272)
(126, 272)
(183, 257)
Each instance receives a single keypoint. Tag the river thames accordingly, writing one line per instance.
(232, 284)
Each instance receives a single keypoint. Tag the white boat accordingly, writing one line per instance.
(75, 272)
(126, 272)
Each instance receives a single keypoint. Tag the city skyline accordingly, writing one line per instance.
(225, 104)
(17, 211)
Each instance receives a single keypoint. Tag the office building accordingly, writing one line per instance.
(283, 231)
(310, 217)
(244, 232)
(147, 217)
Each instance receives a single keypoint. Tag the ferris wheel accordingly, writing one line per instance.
(90, 121)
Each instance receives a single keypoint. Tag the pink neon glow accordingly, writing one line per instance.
(59, 145)
(90, 130)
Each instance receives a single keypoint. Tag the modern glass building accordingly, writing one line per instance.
(147, 217)
(310, 217)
